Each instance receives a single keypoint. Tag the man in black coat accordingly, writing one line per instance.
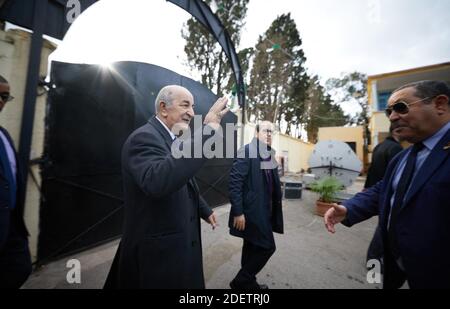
(255, 196)
(383, 153)
(161, 243)
(15, 260)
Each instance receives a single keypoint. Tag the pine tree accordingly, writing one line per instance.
(205, 55)
(320, 111)
(278, 79)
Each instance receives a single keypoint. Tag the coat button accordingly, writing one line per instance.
(192, 218)
(193, 243)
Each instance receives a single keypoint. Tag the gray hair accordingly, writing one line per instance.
(164, 95)
(428, 88)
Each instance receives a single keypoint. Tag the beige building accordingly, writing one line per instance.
(380, 88)
(353, 136)
(14, 53)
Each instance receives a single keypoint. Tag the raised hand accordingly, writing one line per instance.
(216, 113)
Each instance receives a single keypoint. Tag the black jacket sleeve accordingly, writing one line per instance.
(157, 172)
(238, 175)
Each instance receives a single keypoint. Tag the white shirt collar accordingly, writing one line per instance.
(168, 130)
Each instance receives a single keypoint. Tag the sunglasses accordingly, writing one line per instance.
(401, 107)
(6, 97)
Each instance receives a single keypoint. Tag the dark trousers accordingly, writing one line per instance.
(254, 258)
(15, 259)
(376, 249)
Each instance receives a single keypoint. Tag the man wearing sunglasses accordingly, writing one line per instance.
(15, 261)
(413, 199)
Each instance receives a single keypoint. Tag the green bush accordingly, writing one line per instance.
(327, 189)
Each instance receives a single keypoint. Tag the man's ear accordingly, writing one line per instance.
(442, 104)
(162, 109)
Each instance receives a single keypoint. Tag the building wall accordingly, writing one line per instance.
(297, 151)
(345, 134)
(14, 53)
(379, 123)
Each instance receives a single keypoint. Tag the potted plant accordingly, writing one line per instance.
(327, 189)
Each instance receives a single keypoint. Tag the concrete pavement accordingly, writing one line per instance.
(307, 255)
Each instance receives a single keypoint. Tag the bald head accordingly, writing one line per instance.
(175, 105)
(166, 95)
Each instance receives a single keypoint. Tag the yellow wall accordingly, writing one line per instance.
(297, 150)
(345, 134)
(14, 52)
(379, 123)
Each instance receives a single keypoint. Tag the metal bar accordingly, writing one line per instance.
(335, 168)
(29, 105)
(75, 185)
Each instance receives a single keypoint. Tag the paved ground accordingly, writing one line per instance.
(307, 256)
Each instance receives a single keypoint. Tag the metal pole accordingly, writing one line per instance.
(241, 93)
(32, 80)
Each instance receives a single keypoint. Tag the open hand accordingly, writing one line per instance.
(333, 216)
(216, 113)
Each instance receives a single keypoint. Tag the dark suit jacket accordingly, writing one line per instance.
(382, 155)
(249, 195)
(161, 243)
(8, 217)
(423, 229)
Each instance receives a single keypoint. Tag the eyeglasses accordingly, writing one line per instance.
(401, 107)
(6, 97)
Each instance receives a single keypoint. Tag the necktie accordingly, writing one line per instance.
(8, 173)
(400, 192)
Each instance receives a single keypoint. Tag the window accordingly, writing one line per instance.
(383, 98)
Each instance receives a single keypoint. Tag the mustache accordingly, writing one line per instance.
(396, 125)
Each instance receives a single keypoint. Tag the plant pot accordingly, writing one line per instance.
(322, 208)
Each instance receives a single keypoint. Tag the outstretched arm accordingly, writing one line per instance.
(361, 207)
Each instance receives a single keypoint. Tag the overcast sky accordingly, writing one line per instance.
(371, 36)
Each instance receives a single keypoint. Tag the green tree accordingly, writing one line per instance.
(352, 88)
(320, 111)
(203, 52)
(278, 79)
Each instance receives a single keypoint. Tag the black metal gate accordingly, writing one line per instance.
(91, 110)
